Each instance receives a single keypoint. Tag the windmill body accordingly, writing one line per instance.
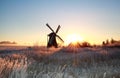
(52, 37)
(52, 40)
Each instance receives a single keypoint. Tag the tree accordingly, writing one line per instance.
(85, 44)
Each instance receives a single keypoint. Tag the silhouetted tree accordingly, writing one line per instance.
(107, 42)
(112, 41)
(86, 44)
(103, 43)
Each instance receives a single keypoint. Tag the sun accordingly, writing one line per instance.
(73, 38)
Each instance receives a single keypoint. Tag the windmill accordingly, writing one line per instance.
(52, 37)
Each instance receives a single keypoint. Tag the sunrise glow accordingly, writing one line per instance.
(73, 38)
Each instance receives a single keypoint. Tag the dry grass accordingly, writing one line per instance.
(39, 62)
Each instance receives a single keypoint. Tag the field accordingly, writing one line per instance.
(66, 62)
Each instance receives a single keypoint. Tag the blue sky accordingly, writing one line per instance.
(24, 21)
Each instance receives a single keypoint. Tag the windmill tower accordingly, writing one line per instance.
(52, 37)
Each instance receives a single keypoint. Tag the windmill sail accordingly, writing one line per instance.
(60, 38)
(58, 29)
(49, 27)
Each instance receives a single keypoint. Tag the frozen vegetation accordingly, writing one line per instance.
(39, 62)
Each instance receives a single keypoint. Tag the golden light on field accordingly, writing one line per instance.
(73, 38)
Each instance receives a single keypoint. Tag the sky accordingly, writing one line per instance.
(24, 21)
